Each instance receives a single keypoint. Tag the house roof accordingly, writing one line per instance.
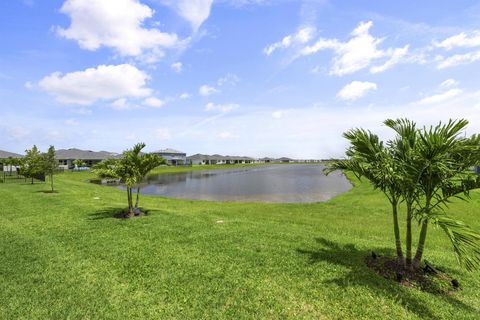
(216, 157)
(169, 150)
(7, 154)
(74, 154)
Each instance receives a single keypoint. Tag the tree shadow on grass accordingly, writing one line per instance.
(47, 191)
(358, 274)
(115, 213)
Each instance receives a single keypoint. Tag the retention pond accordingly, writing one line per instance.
(268, 183)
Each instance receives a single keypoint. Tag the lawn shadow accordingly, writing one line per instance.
(359, 274)
(47, 191)
(115, 213)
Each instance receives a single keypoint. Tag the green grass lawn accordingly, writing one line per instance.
(62, 255)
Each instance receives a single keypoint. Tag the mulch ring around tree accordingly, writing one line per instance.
(124, 213)
(427, 278)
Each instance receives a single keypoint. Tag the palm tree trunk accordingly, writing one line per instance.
(130, 202)
(421, 244)
(396, 230)
(409, 236)
(138, 196)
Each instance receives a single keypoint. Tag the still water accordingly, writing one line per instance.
(269, 183)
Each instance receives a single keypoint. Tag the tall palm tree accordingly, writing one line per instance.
(403, 148)
(447, 159)
(368, 158)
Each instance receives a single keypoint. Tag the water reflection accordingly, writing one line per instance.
(272, 183)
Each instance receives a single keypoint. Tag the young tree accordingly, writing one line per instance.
(147, 162)
(49, 164)
(129, 169)
(403, 148)
(444, 171)
(32, 163)
(425, 169)
(369, 158)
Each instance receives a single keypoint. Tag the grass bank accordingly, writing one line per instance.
(62, 255)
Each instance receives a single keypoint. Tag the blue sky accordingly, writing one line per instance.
(243, 77)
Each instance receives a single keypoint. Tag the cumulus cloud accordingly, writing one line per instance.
(360, 52)
(194, 11)
(207, 90)
(123, 104)
(458, 41)
(105, 82)
(185, 95)
(441, 97)
(117, 24)
(458, 59)
(461, 40)
(278, 114)
(356, 90)
(302, 36)
(221, 107)
(177, 67)
(153, 102)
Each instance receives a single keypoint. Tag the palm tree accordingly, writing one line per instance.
(369, 158)
(425, 169)
(129, 169)
(403, 148)
(445, 172)
(147, 162)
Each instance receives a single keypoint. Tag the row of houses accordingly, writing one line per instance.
(66, 158)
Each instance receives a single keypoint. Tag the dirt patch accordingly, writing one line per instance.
(427, 278)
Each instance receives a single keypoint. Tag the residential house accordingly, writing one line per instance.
(8, 155)
(66, 157)
(173, 157)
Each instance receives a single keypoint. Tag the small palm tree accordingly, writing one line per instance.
(129, 169)
(444, 172)
(369, 158)
(425, 169)
(403, 148)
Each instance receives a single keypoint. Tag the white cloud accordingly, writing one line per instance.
(185, 95)
(460, 40)
(441, 97)
(117, 24)
(221, 107)
(278, 114)
(458, 59)
(229, 79)
(449, 83)
(194, 11)
(177, 67)
(122, 104)
(28, 85)
(302, 36)
(153, 102)
(101, 83)
(396, 56)
(357, 53)
(207, 90)
(356, 90)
